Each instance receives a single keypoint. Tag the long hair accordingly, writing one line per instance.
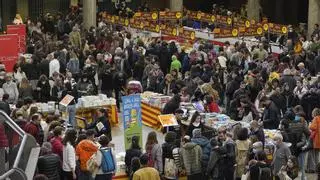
(24, 84)
(194, 117)
(152, 139)
(71, 136)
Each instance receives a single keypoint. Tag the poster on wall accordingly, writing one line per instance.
(131, 117)
(9, 50)
(20, 30)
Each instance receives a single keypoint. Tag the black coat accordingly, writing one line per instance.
(131, 153)
(4, 106)
(106, 130)
(271, 116)
(44, 93)
(50, 166)
(43, 67)
(31, 70)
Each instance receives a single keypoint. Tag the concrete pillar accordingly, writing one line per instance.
(314, 15)
(176, 5)
(23, 9)
(253, 10)
(89, 13)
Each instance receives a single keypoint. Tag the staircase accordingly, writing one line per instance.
(22, 156)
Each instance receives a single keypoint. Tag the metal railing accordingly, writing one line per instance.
(26, 157)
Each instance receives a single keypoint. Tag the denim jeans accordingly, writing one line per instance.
(301, 162)
(72, 115)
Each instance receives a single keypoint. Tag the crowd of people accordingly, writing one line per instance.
(248, 84)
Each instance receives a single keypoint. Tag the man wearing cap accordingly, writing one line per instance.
(11, 89)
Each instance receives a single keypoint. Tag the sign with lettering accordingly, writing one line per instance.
(9, 50)
(20, 30)
(131, 116)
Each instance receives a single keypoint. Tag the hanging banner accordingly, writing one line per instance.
(9, 50)
(20, 30)
(151, 16)
(131, 117)
(170, 15)
(187, 34)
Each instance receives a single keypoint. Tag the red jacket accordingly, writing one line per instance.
(34, 130)
(57, 146)
(213, 107)
(3, 137)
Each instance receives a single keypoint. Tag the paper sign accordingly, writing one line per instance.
(168, 120)
(66, 100)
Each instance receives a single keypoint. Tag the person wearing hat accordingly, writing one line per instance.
(49, 163)
(11, 89)
(303, 71)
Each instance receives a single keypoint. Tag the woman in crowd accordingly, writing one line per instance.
(170, 169)
(134, 151)
(196, 123)
(243, 146)
(18, 74)
(25, 89)
(43, 89)
(69, 155)
(290, 170)
(154, 151)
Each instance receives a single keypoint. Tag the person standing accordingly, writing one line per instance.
(101, 156)
(10, 88)
(4, 105)
(3, 145)
(229, 157)
(204, 143)
(69, 155)
(145, 172)
(281, 155)
(190, 154)
(154, 152)
(271, 114)
(134, 151)
(71, 89)
(54, 65)
(34, 128)
(102, 125)
(84, 150)
(48, 162)
(56, 141)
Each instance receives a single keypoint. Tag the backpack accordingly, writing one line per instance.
(107, 163)
(264, 173)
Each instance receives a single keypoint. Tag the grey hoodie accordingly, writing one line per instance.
(190, 155)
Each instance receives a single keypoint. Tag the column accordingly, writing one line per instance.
(176, 5)
(314, 15)
(253, 10)
(23, 9)
(89, 13)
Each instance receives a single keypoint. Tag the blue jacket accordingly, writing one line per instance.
(204, 143)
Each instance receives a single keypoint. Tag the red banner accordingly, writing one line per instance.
(9, 50)
(20, 30)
